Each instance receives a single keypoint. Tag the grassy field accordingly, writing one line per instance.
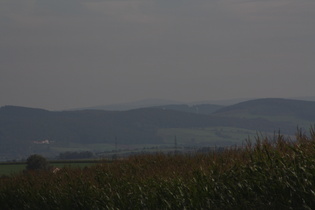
(271, 173)
(102, 148)
(194, 137)
(212, 136)
(14, 168)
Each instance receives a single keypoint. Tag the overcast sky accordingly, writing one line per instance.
(60, 54)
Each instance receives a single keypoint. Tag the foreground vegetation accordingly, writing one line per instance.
(273, 173)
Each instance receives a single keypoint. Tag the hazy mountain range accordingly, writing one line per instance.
(24, 130)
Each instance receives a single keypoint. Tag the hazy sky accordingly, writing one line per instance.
(60, 54)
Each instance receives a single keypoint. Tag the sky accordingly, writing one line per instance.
(66, 54)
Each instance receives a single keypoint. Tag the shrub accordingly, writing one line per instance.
(37, 162)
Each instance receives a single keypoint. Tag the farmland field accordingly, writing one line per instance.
(271, 173)
(17, 167)
(12, 168)
(211, 136)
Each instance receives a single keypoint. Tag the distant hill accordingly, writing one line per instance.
(271, 107)
(223, 102)
(129, 105)
(160, 102)
(305, 98)
(21, 128)
(197, 109)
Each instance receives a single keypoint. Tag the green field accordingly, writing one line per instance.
(83, 147)
(18, 167)
(211, 136)
(13, 168)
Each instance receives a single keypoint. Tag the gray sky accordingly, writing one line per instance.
(63, 54)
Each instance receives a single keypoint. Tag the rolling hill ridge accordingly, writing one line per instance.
(271, 107)
(20, 127)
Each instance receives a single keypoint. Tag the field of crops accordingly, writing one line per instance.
(269, 174)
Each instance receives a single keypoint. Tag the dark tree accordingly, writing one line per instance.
(37, 162)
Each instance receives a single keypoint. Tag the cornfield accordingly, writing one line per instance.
(271, 173)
